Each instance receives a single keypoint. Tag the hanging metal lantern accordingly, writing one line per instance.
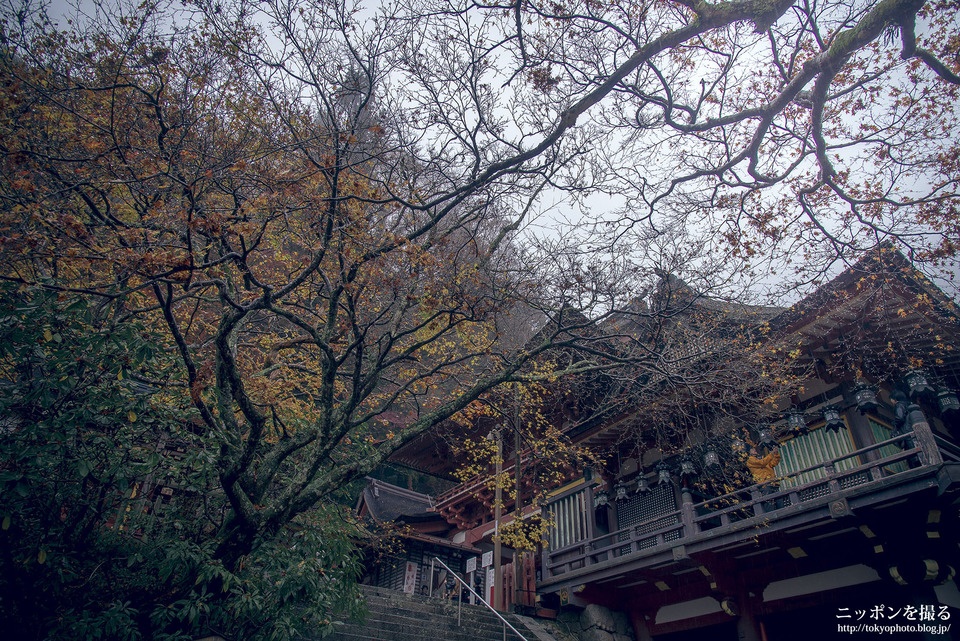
(865, 398)
(917, 383)
(687, 470)
(832, 419)
(663, 474)
(711, 460)
(620, 491)
(601, 498)
(796, 422)
(737, 444)
(643, 485)
(766, 436)
(948, 401)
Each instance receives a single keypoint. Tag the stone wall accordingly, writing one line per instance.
(597, 623)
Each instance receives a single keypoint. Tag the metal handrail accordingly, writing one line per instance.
(506, 623)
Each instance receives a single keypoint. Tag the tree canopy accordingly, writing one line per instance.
(312, 227)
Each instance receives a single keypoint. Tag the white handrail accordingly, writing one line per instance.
(480, 598)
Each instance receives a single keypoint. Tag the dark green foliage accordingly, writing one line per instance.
(92, 546)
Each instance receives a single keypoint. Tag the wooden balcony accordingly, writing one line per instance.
(917, 462)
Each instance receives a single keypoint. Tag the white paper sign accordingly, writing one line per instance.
(471, 564)
(487, 559)
(410, 578)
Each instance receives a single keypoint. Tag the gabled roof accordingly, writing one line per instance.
(887, 310)
(385, 503)
(885, 264)
(673, 288)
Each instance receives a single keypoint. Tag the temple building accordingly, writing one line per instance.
(835, 504)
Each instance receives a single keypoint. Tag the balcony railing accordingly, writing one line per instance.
(915, 453)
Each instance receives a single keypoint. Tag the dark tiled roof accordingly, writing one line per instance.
(386, 502)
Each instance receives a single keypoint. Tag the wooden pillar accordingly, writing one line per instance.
(497, 547)
(859, 426)
(640, 628)
(590, 516)
(517, 505)
(748, 628)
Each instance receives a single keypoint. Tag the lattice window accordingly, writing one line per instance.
(569, 518)
(812, 448)
(644, 507)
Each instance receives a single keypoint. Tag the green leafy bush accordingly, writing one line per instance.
(109, 511)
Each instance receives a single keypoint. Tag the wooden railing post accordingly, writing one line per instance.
(923, 436)
(831, 471)
(686, 513)
(755, 496)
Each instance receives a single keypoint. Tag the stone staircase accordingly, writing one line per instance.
(394, 616)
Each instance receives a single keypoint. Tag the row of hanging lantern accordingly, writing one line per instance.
(918, 386)
(864, 396)
(710, 460)
(797, 423)
(664, 475)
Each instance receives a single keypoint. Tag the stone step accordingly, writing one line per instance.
(426, 605)
(396, 616)
(365, 635)
(430, 609)
(420, 633)
(397, 620)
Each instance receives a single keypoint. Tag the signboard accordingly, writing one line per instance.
(410, 578)
(489, 584)
(471, 564)
(487, 559)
